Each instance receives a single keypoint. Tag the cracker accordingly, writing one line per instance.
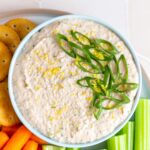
(5, 59)
(21, 25)
(7, 114)
(9, 37)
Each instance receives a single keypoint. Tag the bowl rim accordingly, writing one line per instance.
(19, 51)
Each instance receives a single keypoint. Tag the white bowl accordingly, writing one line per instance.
(18, 53)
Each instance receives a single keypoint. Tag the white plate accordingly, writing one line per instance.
(41, 15)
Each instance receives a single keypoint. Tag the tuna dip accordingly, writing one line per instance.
(75, 81)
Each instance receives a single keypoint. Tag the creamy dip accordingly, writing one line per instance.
(47, 93)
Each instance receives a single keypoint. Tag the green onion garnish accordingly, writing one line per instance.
(96, 56)
(124, 87)
(123, 60)
(81, 38)
(106, 46)
(63, 43)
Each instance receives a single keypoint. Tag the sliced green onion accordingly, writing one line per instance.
(83, 81)
(81, 38)
(124, 87)
(63, 43)
(118, 102)
(123, 60)
(111, 78)
(94, 85)
(128, 129)
(114, 75)
(142, 125)
(117, 142)
(98, 113)
(106, 46)
(98, 101)
(86, 66)
(79, 51)
(51, 147)
(98, 56)
(107, 77)
(97, 86)
(95, 98)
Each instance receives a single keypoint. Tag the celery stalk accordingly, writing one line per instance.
(142, 125)
(72, 148)
(51, 147)
(129, 131)
(117, 143)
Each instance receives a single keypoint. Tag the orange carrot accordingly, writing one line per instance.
(3, 139)
(38, 140)
(39, 147)
(30, 145)
(10, 130)
(18, 139)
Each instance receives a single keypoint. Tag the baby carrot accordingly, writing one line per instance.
(18, 139)
(39, 147)
(3, 139)
(30, 145)
(10, 130)
(38, 140)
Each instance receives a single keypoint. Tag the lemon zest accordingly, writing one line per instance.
(50, 72)
(83, 93)
(37, 87)
(61, 110)
(89, 98)
(58, 86)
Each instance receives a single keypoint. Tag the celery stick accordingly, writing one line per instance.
(117, 143)
(51, 147)
(72, 148)
(129, 131)
(142, 125)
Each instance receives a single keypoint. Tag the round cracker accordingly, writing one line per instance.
(5, 59)
(21, 26)
(7, 115)
(9, 37)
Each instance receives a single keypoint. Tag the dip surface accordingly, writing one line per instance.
(46, 91)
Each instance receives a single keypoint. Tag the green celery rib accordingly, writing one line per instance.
(72, 148)
(51, 147)
(129, 131)
(142, 125)
(117, 142)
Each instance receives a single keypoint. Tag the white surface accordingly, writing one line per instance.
(139, 25)
(139, 29)
(112, 11)
(131, 17)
